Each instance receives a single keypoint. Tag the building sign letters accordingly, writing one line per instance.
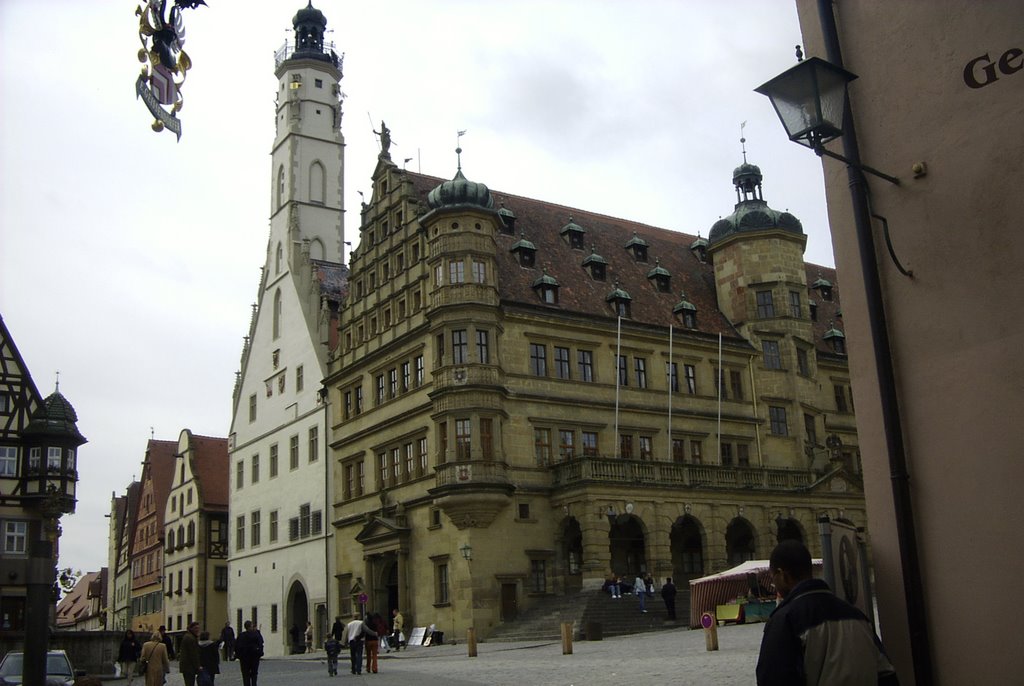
(983, 71)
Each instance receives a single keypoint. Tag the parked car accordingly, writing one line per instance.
(59, 671)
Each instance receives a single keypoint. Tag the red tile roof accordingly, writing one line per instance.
(210, 465)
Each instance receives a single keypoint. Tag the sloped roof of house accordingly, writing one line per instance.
(210, 462)
(541, 224)
(77, 606)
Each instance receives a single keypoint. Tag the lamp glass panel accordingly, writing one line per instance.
(809, 99)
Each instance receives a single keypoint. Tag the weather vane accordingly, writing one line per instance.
(743, 141)
(166, 63)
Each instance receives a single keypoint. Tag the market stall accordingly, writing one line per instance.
(749, 583)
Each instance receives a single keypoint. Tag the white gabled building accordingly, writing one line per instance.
(281, 561)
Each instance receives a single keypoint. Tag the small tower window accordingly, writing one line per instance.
(547, 288)
(637, 246)
(824, 287)
(596, 265)
(699, 248)
(619, 300)
(508, 221)
(836, 339)
(812, 305)
(574, 233)
(525, 251)
(686, 312)
(660, 277)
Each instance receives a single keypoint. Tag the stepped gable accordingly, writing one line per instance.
(211, 465)
(540, 223)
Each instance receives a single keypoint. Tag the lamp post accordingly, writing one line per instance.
(817, 79)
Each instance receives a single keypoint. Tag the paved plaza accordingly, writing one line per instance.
(673, 656)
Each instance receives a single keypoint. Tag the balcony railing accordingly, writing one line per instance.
(472, 473)
(654, 473)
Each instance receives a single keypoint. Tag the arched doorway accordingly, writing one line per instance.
(627, 546)
(739, 542)
(687, 545)
(788, 529)
(298, 615)
(572, 554)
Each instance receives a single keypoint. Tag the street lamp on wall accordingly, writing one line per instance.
(810, 99)
(467, 552)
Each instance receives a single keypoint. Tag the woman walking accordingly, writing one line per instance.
(128, 655)
(376, 624)
(154, 655)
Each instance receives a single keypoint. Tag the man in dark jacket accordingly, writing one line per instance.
(227, 638)
(813, 637)
(249, 650)
(188, 654)
(668, 594)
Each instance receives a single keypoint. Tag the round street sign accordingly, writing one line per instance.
(363, 598)
(706, 620)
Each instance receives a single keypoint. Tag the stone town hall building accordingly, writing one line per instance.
(556, 395)
(521, 397)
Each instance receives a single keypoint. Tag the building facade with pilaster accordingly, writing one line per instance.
(527, 398)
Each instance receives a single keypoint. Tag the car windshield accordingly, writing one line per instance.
(56, 665)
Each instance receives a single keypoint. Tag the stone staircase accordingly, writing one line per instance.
(587, 609)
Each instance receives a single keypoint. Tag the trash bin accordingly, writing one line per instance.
(594, 631)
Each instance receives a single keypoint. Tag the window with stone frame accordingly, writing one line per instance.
(538, 359)
(690, 374)
(626, 446)
(765, 305)
(777, 420)
(483, 349)
(273, 460)
(566, 444)
(678, 450)
(640, 367)
(585, 365)
(487, 438)
(460, 347)
(538, 576)
(463, 439)
(562, 368)
(646, 448)
(441, 591)
(542, 446)
(772, 356)
(588, 441)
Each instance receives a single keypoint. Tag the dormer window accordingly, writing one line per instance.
(699, 248)
(574, 233)
(596, 265)
(686, 312)
(836, 339)
(508, 221)
(619, 300)
(525, 251)
(547, 288)
(637, 246)
(824, 287)
(660, 277)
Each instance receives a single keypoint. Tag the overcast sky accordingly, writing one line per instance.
(128, 261)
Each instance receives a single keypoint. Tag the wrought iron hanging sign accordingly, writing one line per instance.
(166, 63)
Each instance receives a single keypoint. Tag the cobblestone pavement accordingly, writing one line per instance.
(673, 656)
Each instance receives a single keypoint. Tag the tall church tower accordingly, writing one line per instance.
(280, 491)
(308, 155)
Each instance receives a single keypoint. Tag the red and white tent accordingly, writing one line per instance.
(708, 592)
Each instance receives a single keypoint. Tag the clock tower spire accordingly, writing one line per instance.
(308, 172)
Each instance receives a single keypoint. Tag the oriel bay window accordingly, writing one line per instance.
(460, 347)
(483, 353)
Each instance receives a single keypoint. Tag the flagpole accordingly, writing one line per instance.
(618, 368)
(721, 382)
(670, 378)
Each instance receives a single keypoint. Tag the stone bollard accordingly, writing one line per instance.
(471, 642)
(566, 638)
